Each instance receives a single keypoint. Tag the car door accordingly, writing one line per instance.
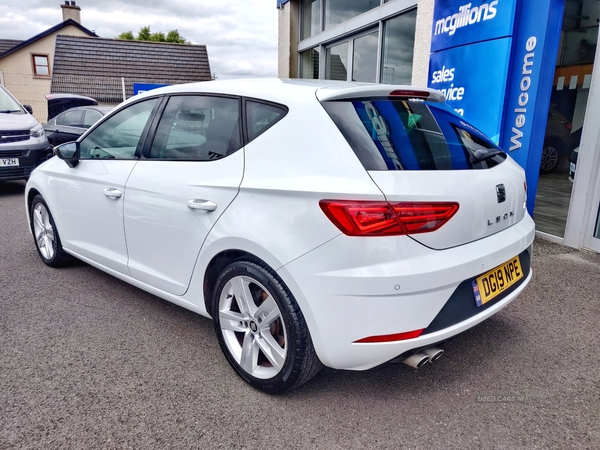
(68, 127)
(90, 195)
(189, 175)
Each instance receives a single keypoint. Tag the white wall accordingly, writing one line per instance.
(422, 42)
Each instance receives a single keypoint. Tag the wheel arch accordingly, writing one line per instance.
(29, 200)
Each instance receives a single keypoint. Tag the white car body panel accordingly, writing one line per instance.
(164, 235)
(360, 287)
(91, 223)
(473, 190)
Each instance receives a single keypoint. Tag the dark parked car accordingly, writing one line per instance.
(558, 141)
(71, 124)
(58, 103)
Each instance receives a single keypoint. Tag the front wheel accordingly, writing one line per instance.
(45, 234)
(261, 329)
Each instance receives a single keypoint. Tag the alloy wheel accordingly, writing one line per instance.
(43, 231)
(549, 158)
(252, 327)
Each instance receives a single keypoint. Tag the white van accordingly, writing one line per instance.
(23, 142)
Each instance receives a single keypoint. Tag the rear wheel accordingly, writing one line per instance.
(261, 329)
(45, 234)
(550, 156)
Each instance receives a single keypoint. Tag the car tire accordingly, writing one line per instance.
(45, 234)
(551, 155)
(261, 328)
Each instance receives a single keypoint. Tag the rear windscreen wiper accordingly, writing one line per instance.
(481, 155)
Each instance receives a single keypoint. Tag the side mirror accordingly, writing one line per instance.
(69, 153)
(29, 109)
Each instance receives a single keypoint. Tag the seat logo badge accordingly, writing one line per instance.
(501, 193)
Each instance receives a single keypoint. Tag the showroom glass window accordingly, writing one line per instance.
(119, 136)
(364, 60)
(338, 11)
(375, 43)
(198, 128)
(310, 18)
(337, 62)
(309, 64)
(398, 49)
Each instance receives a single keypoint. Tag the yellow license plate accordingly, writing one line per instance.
(497, 280)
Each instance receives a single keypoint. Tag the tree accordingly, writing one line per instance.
(146, 35)
(127, 35)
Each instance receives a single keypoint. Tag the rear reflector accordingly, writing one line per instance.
(390, 337)
(361, 218)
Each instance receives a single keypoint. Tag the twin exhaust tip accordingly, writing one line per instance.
(420, 359)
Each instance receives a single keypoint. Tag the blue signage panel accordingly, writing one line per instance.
(458, 22)
(139, 88)
(473, 79)
(530, 84)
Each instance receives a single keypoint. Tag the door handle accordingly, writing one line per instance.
(203, 205)
(112, 193)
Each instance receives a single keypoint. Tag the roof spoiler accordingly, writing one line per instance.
(337, 92)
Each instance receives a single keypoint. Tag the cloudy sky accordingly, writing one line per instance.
(240, 35)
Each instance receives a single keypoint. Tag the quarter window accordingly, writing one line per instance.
(262, 116)
(197, 128)
(119, 136)
(41, 65)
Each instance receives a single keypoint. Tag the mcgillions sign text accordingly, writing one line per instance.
(466, 16)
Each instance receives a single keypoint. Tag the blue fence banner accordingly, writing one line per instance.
(140, 88)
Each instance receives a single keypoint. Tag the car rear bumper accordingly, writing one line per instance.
(353, 288)
(28, 157)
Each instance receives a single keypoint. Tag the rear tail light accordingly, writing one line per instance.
(568, 125)
(361, 218)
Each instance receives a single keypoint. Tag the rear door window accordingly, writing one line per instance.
(198, 128)
(411, 135)
(70, 118)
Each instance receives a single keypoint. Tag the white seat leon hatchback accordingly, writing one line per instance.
(316, 222)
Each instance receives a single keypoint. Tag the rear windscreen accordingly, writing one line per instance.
(411, 135)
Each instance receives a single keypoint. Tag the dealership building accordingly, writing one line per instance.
(520, 70)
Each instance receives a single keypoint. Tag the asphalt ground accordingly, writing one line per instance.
(87, 361)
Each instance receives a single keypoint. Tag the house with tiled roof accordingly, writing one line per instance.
(26, 66)
(97, 67)
(7, 44)
(70, 58)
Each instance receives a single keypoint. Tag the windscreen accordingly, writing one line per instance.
(8, 104)
(390, 134)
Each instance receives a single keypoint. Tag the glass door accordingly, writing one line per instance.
(593, 233)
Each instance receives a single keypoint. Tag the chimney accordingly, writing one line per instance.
(71, 11)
